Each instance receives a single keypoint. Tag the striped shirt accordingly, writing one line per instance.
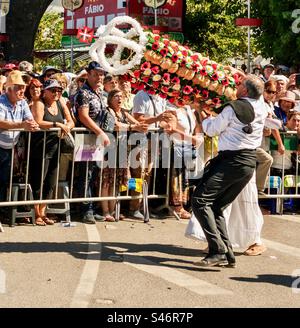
(18, 113)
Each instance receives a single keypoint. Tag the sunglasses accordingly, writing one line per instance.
(55, 90)
(271, 92)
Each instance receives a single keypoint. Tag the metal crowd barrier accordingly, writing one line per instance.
(139, 141)
(278, 187)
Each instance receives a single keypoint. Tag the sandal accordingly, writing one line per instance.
(255, 250)
(183, 214)
(47, 220)
(109, 218)
(39, 221)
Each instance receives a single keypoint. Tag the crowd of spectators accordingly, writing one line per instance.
(37, 102)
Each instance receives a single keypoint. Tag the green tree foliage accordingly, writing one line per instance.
(210, 28)
(275, 38)
(48, 36)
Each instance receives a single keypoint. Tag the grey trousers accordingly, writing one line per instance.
(225, 177)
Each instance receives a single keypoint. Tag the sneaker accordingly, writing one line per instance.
(89, 218)
(136, 215)
(99, 217)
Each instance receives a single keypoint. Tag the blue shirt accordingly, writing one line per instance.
(18, 113)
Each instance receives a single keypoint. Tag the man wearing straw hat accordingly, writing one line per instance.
(14, 114)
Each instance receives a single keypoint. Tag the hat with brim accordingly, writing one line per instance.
(269, 66)
(14, 78)
(49, 84)
(50, 68)
(94, 65)
(289, 96)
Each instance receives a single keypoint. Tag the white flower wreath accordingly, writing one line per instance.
(109, 34)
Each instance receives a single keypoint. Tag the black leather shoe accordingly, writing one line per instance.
(230, 258)
(213, 260)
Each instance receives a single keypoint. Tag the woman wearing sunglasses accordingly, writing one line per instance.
(48, 112)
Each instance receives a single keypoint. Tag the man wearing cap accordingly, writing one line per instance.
(268, 71)
(8, 68)
(48, 71)
(89, 104)
(14, 114)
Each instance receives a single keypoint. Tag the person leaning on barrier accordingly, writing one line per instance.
(240, 128)
(48, 112)
(286, 104)
(14, 114)
(89, 105)
(149, 109)
(124, 122)
(289, 164)
(186, 139)
(264, 159)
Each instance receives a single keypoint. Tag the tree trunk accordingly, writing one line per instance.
(22, 23)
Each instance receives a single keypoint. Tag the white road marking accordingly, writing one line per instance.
(2, 282)
(85, 288)
(284, 218)
(176, 277)
(283, 248)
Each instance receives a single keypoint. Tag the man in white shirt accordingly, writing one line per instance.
(240, 130)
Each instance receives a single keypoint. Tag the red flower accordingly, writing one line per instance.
(156, 37)
(187, 90)
(155, 69)
(203, 72)
(164, 52)
(184, 52)
(134, 85)
(175, 80)
(176, 93)
(225, 82)
(164, 89)
(163, 95)
(236, 78)
(205, 93)
(155, 85)
(180, 102)
(174, 58)
(183, 62)
(196, 91)
(151, 91)
(215, 77)
(145, 79)
(145, 66)
(166, 77)
(214, 66)
(216, 101)
(195, 57)
(155, 46)
(172, 100)
(141, 86)
(137, 73)
(195, 67)
(166, 42)
(186, 98)
(204, 61)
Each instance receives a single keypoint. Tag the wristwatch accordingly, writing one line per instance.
(54, 124)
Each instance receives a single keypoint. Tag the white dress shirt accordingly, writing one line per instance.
(230, 130)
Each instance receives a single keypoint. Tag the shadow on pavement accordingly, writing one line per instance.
(274, 279)
(108, 250)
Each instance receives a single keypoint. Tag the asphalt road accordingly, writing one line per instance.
(133, 264)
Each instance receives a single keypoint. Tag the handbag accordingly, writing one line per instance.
(106, 121)
(67, 144)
